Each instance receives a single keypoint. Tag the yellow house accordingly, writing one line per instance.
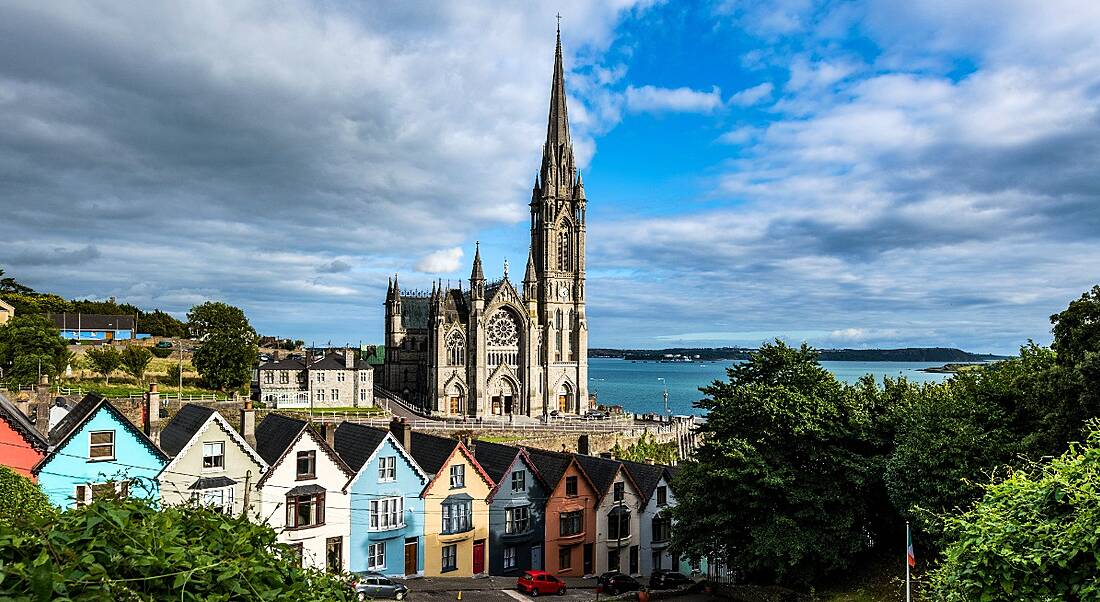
(456, 513)
(7, 312)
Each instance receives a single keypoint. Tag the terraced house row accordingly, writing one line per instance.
(359, 498)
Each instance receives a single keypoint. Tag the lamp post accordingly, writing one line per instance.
(668, 412)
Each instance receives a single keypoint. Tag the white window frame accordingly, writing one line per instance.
(320, 395)
(269, 377)
(522, 474)
(336, 395)
(205, 455)
(458, 476)
(387, 513)
(110, 445)
(205, 497)
(510, 557)
(387, 469)
(340, 376)
(376, 555)
(320, 377)
(362, 394)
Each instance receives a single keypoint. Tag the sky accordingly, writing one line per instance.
(848, 173)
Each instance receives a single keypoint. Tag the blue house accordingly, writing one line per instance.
(387, 512)
(96, 450)
(517, 508)
(96, 327)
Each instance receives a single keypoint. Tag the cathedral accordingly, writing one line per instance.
(495, 349)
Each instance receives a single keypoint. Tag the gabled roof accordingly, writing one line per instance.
(356, 443)
(287, 363)
(496, 459)
(190, 422)
(21, 424)
(647, 476)
(277, 434)
(415, 311)
(553, 466)
(434, 453)
(182, 427)
(602, 472)
(80, 414)
(72, 321)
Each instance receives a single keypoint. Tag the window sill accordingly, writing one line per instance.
(305, 477)
(111, 459)
(384, 529)
(304, 527)
(448, 569)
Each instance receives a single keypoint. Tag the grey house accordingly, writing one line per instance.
(517, 517)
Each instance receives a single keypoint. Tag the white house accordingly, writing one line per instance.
(654, 519)
(303, 491)
(617, 515)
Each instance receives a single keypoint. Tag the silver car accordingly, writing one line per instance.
(374, 586)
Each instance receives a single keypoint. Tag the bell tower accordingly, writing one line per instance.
(558, 259)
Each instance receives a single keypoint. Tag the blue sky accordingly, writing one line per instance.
(849, 173)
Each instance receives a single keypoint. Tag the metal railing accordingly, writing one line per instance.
(555, 426)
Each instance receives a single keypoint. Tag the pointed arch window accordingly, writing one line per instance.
(565, 248)
(456, 349)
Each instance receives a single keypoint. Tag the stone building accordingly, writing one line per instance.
(497, 348)
(334, 381)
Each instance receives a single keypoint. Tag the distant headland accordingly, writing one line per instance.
(710, 354)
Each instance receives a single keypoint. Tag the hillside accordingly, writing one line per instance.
(908, 354)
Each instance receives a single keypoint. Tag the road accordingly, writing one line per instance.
(503, 589)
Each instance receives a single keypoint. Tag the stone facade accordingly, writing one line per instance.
(335, 381)
(496, 349)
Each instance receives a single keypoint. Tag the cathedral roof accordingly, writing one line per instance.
(415, 312)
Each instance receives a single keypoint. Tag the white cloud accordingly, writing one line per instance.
(753, 95)
(443, 261)
(651, 99)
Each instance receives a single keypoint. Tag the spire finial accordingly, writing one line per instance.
(559, 23)
(505, 268)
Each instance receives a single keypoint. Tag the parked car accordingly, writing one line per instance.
(668, 580)
(614, 582)
(375, 586)
(595, 415)
(164, 345)
(534, 583)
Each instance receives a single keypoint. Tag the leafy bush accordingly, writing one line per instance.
(104, 360)
(1033, 536)
(161, 352)
(21, 501)
(129, 550)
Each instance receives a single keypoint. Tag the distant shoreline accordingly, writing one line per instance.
(911, 354)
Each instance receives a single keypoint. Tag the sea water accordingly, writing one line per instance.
(637, 386)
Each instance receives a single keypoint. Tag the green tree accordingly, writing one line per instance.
(135, 360)
(34, 303)
(646, 448)
(9, 285)
(129, 550)
(104, 360)
(1077, 329)
(161, 324)
(29, 344)
(1033, 536)
(21, 501)
(785, 485)
(227, 354)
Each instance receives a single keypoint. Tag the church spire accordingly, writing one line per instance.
(557, 153)
(477, 273)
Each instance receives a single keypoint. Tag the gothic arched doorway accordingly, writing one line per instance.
(566, 399)
(503, 341)
(503, 397)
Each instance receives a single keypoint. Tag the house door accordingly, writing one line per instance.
(588, 559)
(334, 554)
(536, 558)
(410, 556)
(479, 556)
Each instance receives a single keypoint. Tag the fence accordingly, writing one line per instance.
(606, 425)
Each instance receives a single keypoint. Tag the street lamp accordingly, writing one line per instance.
(668, 412)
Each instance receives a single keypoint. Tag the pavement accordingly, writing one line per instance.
(503, 589)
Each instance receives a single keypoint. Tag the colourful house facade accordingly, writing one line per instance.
(97, 451)
(21, 445)
(517, 507)
(570, 514)
(387, 512)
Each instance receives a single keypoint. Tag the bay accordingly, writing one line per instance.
(635, 385)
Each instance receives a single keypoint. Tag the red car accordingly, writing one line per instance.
(534, 583)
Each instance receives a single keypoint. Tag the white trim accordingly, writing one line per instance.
(233, 434)
(425, 479)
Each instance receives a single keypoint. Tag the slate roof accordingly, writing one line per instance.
(183, 427)
(76, 416)
(355, 443)
(550, 464)
(68, 321)
(431, 452)
(286, 363)
(21, 423)
(601, 471)
(275, 435)
(495, 458)
(212, 483)
(311, 489)
(647, 476)
(331, 361)
(414, 312)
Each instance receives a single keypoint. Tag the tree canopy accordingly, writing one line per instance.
(135, 360)
(29, 344)
(129, 550)
(104, 360)
(228, 351)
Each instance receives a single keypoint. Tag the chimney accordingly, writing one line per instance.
(470, 443)
(607, 455)
(349, 358)
(402, 431)
(275, 355)
(42, 390)
(151, 414)
(248, 423)
(582, 445)
(42, 418)
(24, 406)
(328, 429)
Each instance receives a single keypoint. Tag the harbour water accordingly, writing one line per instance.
(636, 385)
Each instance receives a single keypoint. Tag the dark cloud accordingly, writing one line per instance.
(56, 256)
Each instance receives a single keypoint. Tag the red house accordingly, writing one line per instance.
(21, 445)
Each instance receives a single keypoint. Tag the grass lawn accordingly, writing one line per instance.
(121, 388)
(501, 438)
(365, 410)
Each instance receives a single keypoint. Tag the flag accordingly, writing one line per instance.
(910, 557)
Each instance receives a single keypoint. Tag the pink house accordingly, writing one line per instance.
(21, 445)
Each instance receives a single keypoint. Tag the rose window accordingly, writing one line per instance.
(503, 331)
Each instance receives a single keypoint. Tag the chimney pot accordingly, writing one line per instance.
(329, 431)
(248, 423)
(151, 414)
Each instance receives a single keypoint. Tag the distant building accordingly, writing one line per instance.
(334, 381)
(7, 312)
(23, 444)
(96, 327)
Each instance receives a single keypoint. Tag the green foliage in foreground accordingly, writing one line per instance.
(1033, 536)
(128, 550)
(20, 499)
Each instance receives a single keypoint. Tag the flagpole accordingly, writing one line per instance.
(908, 539)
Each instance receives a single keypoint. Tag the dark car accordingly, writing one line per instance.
(595, 415)
(534, 583)
(375, 586)
(668, 580)
(164, 345)
(615, 582)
